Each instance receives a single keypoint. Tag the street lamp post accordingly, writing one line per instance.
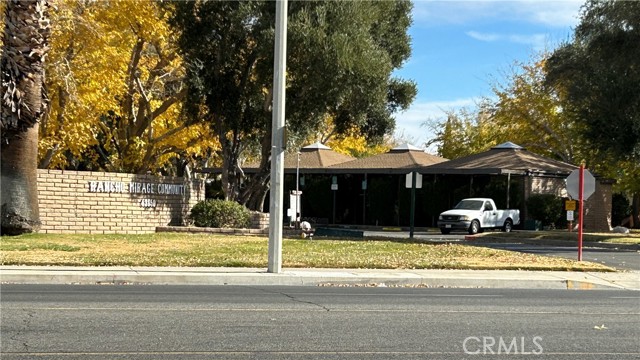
(274, 264)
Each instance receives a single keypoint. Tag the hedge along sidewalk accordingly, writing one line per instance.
(199, 250)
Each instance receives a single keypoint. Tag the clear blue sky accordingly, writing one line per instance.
(459, 48)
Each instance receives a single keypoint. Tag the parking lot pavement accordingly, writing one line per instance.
(419, 235)
(619, 258)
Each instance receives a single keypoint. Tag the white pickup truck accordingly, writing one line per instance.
(476, 214)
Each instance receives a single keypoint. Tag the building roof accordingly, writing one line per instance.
(400, 160)
(502, 159)
(507, 158)
(315, 156)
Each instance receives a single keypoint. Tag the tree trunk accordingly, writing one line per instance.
(230, 180)
(19, 182)
(254, 194)
(23, 105)
(257, 186)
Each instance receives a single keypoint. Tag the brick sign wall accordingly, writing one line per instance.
(113, 203)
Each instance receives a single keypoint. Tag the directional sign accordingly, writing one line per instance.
(573, 182)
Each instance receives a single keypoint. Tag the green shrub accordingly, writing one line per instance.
(220, 214)
(546, 208)
(620, 209)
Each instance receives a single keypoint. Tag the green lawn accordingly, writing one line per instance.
(171, 249)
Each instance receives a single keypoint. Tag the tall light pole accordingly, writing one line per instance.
(277, 139)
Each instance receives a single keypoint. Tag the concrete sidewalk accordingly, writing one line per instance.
(320, 277)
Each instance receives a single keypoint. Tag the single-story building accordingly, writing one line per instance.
(371, 191)
(529, 173)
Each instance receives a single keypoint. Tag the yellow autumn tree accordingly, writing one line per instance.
(528, 113)
(463, 132)
(522, 111)
(356, 145)
(116, 85)
(350, 143)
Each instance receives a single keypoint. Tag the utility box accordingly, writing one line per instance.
(531, 224)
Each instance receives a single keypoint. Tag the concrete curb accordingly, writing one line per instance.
(320, 277)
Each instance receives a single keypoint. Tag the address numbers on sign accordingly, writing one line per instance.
(148, 203)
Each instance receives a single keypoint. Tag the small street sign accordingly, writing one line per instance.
(407, 182)
(571, 205)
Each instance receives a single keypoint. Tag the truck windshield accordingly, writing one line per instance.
(470, 204)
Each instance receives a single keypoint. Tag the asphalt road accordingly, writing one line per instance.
(227, 322)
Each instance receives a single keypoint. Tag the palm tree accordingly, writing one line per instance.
(24, 47)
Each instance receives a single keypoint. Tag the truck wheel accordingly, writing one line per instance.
(508, 226)
(445, 231)
(474, 228)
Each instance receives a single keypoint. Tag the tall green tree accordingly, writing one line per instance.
(340, 58)
(25, 45)
(597, 75)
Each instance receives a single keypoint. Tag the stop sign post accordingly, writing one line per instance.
(580, 184)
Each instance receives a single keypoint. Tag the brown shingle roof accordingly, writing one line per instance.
(315, 156)
(399, 160)
(502, 159)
